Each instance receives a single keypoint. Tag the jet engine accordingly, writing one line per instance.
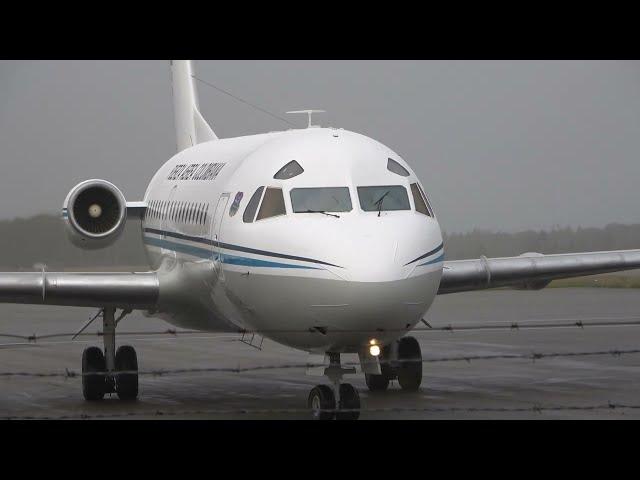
(95, 213)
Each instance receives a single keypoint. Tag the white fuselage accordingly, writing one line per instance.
(308, 280)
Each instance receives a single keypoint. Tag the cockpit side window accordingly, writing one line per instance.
(290, 170)
(420, 201)
(426, 199)
(383, 198)
(396, 168)
(272, 204)
(252, 206)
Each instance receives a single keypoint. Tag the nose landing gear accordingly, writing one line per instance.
(402, 361)
(112, 371)
(341, 402)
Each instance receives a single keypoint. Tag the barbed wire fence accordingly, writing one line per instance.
(289, 366)
(531, 356)
(539, 409)
(34, 337)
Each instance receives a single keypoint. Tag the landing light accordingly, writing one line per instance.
(374, 350)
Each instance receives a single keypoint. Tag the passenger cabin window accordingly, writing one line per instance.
(272, 204)
(252, 206)
(383, 198)
(396, 168)
(325, 199)
(290, 170)
(418, 199)
(179, 211)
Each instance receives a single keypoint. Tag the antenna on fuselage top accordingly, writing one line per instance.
(309, 112)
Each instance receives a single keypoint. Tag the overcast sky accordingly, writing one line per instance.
(501, 145)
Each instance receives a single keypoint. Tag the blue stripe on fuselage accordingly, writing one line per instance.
(208, 254)
(238, 248)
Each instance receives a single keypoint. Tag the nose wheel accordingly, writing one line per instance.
(339, 401)
(110, 371)
(322, 402)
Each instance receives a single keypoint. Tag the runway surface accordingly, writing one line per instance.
(564, 387)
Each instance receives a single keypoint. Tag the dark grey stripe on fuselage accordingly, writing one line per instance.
(238, 248)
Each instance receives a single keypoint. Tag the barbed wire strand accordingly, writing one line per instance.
(449, 328)
(181, 371)
(242, 411)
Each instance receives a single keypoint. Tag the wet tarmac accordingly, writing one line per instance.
(562, 387)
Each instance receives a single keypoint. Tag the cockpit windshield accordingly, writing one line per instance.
(383, 198)
(325, 199)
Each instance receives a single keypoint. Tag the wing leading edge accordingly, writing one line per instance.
(531, 271)
(120, 290)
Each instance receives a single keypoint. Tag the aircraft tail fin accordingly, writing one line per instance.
(191, 127)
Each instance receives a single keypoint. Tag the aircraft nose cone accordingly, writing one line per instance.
(373, 259)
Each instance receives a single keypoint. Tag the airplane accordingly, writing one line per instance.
(321, 239)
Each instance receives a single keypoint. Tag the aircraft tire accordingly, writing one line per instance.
(126, 383)
(321, 398)
(410, 369)
(93, 386)
(349, 400)
(376, 383)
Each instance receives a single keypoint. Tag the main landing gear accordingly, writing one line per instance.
(112, 371)
(340, 401)
(401, 361)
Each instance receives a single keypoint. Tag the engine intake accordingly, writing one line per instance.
(96, 213)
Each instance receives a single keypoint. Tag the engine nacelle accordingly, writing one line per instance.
(95, 213)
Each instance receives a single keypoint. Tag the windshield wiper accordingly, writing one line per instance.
(322, 212)
(380, 201)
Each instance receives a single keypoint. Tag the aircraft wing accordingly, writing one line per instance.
(531, 271)
(119, 290)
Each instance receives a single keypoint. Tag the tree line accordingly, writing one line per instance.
(43, 239)
(477, 242)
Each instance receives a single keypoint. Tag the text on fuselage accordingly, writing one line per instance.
(196, 171)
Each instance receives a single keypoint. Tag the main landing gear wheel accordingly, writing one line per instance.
(376, 383)
(322, 402)
(109, 371)
(349, 403)
(126, 383)
(410, 368)
(94, 383)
